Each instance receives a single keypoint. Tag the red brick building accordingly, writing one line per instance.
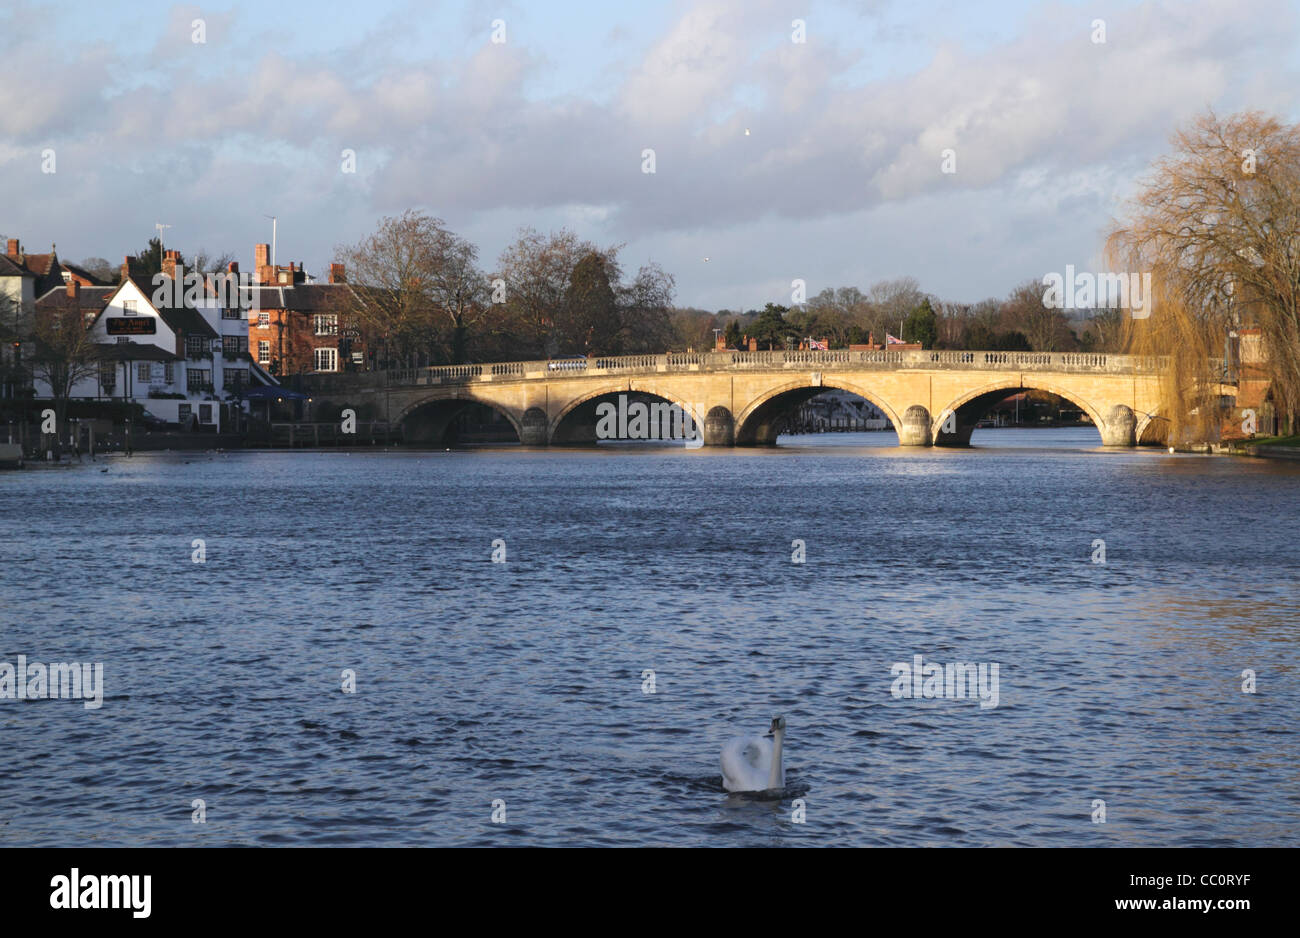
(299, 326)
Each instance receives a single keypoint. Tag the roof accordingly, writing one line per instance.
(38, 264)
(136, 352)
(10, 268)
(89, 299)
(306, 297)
(78, 271)
(44, 267)
(180, 318)
(261, 374)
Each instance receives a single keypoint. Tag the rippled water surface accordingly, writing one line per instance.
(522, 681)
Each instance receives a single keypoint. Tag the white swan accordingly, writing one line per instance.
(754, 763)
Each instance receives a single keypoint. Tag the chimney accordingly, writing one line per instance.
(262, 272)
(233, 267)
(74, 288)
(13, 246)
(336, 274)
(126, 268)
(169, 261)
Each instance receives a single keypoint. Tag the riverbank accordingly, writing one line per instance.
(1273, 447)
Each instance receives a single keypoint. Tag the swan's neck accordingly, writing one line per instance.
(777, 774)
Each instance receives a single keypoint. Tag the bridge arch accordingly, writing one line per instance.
(761, 420)
(576, 422)
(971, 407)
(1152, 429)
(429, 419)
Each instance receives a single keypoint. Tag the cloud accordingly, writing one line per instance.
(236, 128)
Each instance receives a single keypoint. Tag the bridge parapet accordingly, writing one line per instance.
(730, 361)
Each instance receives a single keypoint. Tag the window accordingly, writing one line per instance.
(169, 372)
(128, 308)
(263, 352)
(205, 413)
(183, 415)
(107, 376)
(195, 346)
(232, 313)
(142, 372)
(327, 324)
(198, 379)
(327, 359)
(123, 340)
(232, 345)
(235, 378)
(263, 320)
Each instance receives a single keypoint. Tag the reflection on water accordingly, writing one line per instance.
(523, 681)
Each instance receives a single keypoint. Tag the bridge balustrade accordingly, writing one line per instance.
(744, 360)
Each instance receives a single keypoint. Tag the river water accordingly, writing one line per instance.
(524, 683)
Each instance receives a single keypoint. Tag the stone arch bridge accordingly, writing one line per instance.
(743, 398)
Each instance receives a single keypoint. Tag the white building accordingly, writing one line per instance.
(181, 358)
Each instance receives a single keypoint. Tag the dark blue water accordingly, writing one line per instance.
(522, 681)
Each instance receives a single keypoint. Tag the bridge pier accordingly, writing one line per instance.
(719, 427)
(533, 427)
(915, 427)
(1120, 428)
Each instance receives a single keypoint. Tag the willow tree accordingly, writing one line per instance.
(1218, 228)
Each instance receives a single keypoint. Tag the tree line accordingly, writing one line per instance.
(846, 316)
(420, 292)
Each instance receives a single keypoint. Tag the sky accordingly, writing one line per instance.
(819, 160)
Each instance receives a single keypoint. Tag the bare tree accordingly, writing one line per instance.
(455, 285)
(1045, 326)
(644, 306)
(63, 354)
(535, 271)
(1103, 331)
(390, 274)
(101, 269)
(890, 303)
(205, 263)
